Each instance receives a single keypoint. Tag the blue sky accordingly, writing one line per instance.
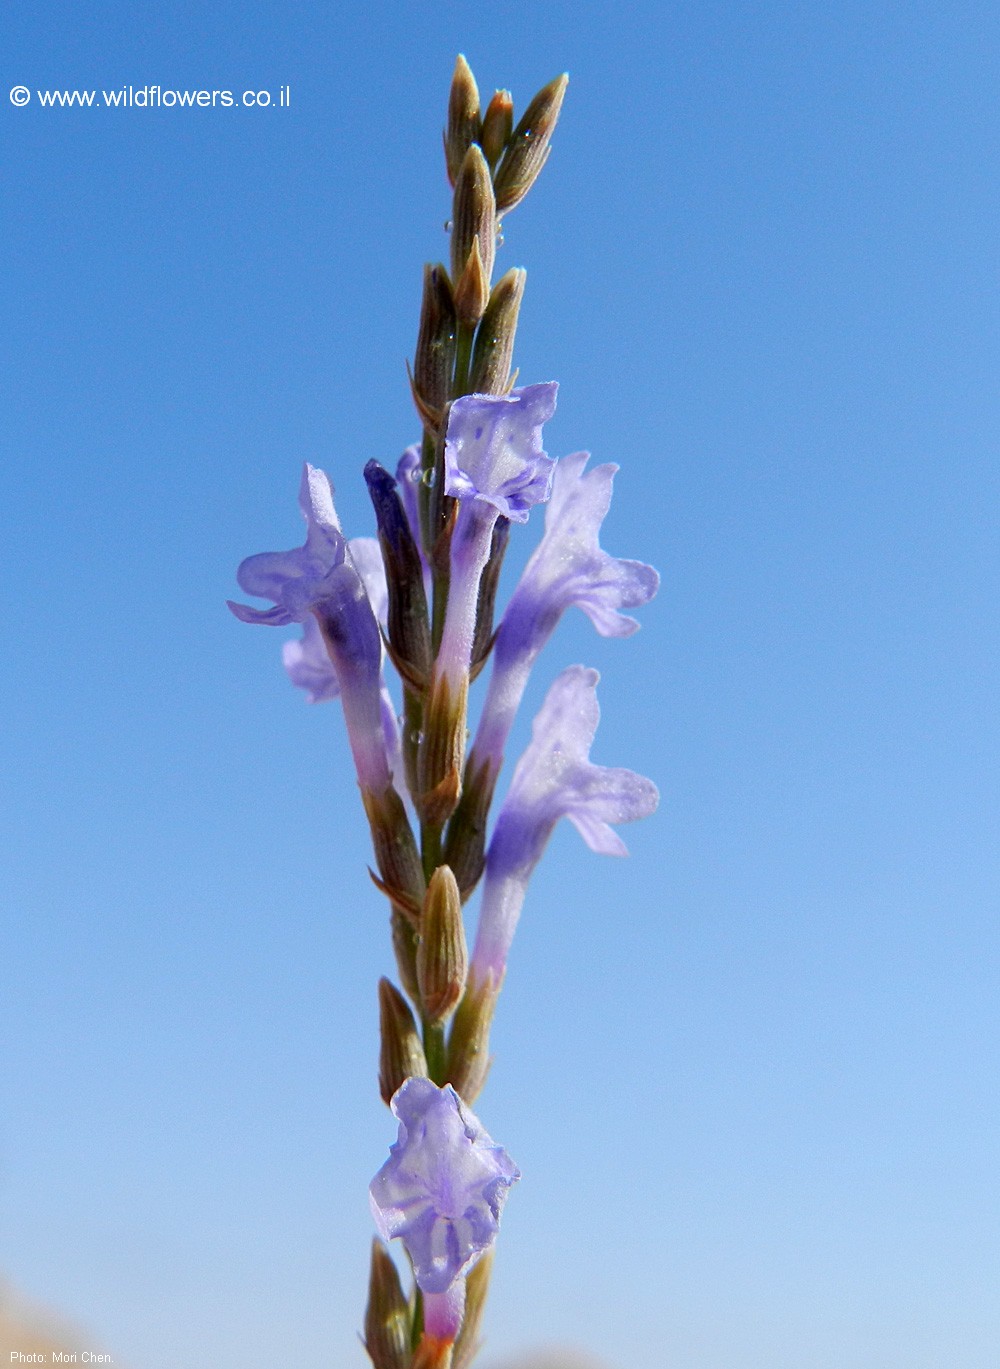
(750, 1073)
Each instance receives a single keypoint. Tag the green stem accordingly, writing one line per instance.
(425, 494)
(413, 721)
(430, 846)
(434, 1050)
(442, 580)
(463, 360)
(416, 1335)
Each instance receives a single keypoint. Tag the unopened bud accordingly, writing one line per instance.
(442, 748)
(474, 217)
(529, 145)
(442, 956)
(387, 1316)
(396, 854)
(409, 631)
(494, 345)
(472, 290)
(463, 117)
(468, 1060)
(497, 124)
(477, 1285)
(404, 945)
(465, 848)
(434, 359)
(401, 1056)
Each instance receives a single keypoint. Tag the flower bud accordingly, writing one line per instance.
(442, 956)
(528, 147)
(474, 217)
(494, 345)
(463, 117)
(404, 945)
(442, 748)
(497, 124)
(465, 848)
(387, 1316)
(409, 632)
(396, 854)
(401, 1056)
(469, 1042)
(434, 359)
(472, 290)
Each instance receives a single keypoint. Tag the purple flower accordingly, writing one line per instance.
(567, 567)
(308, 665)
(443, 1187)
(320, 579)
(494, 464)
(553, 779)
(299, 579)
(443, 1312)
(493, 449)
(367, 558)
(306, 659)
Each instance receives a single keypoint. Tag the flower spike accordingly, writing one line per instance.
(424, 597)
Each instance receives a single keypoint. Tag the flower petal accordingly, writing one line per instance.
(308, 664)
(493, 449)
(299, 579)
(444, 1185)
(569, 566)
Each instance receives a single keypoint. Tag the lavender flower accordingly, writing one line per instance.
(320, 580)
(567, 567)
(443, 1187)
(299, 579)
(493, 452)
(553, 779)
(306, 659)
(308, 665)
(443, 1313)
(494, 464)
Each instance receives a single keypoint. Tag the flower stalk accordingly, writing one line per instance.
(423, 600)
